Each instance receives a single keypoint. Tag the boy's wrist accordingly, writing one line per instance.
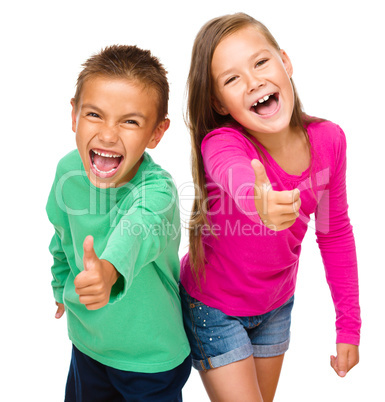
(110, 272)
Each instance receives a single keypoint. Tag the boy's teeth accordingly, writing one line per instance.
(106, 155)
(101, 171)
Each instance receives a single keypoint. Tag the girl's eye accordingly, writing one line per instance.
(230, 80)
(260, 63)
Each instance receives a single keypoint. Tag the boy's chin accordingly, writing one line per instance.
(101, 182)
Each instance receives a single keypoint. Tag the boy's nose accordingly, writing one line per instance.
(108, 134)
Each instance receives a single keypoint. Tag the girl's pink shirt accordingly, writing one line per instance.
(251, 269)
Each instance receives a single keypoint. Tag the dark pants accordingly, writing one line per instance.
(91, 381)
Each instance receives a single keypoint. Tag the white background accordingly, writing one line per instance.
(336, 48)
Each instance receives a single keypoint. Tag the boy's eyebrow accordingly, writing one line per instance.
(134, 114)
(125, 116)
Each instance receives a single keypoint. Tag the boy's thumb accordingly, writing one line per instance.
(260, 174)
(89, 253)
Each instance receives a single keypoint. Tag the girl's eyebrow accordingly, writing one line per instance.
(252, 57)
(224, 73)
(256, 54)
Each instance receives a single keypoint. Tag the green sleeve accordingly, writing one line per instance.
(143, 233)
(60, 268)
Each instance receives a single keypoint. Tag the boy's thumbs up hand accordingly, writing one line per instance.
(93, 285)
(90, 259)
(278, 210)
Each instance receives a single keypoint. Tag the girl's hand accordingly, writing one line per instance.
(278, 210)
(60, 310)
(347, 358)
(93, 285)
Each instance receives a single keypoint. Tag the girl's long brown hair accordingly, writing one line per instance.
(202, 117)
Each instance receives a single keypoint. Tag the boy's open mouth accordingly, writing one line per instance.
(105, 164)
(266, 105)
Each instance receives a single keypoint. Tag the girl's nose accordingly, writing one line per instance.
(254, 82)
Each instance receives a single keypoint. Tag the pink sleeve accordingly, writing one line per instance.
(336, 242)
(227, 162)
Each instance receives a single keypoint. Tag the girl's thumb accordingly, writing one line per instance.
(260, 173)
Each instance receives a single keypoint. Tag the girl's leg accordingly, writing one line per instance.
(268, 370)
(234, 382)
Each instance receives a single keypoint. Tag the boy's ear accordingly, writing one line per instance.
(73, 115)
(218, 106)
(287, 63)
(158, 133)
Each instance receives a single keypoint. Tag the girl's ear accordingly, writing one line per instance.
(158, 133)
(287, 63)
(218, 106)
(73, 115)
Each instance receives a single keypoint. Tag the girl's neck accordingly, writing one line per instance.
(276, 142)
(290, 149)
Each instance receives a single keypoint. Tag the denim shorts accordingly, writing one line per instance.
(217, 339)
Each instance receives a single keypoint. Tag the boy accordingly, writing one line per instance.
(117, 233)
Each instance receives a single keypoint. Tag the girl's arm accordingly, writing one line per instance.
(232, 162)
(226, 157)
(336, 242)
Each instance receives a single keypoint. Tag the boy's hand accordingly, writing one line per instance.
(347, 358)
(60, 310)
(93, 285)
(278, 210)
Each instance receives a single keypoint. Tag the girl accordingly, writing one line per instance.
(261, 166)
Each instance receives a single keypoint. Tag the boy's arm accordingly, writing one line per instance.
(60, 268)
(143, 233)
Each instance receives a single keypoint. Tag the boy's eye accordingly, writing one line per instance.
(132, 122)
(92, 114)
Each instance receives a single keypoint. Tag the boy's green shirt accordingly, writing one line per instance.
(136, 227)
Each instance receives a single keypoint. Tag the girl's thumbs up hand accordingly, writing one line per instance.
(93, 285)
(278, 210)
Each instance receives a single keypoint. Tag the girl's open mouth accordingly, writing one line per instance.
(267, 105)
(104, 164)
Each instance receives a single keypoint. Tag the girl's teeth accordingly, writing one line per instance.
(265, 98)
